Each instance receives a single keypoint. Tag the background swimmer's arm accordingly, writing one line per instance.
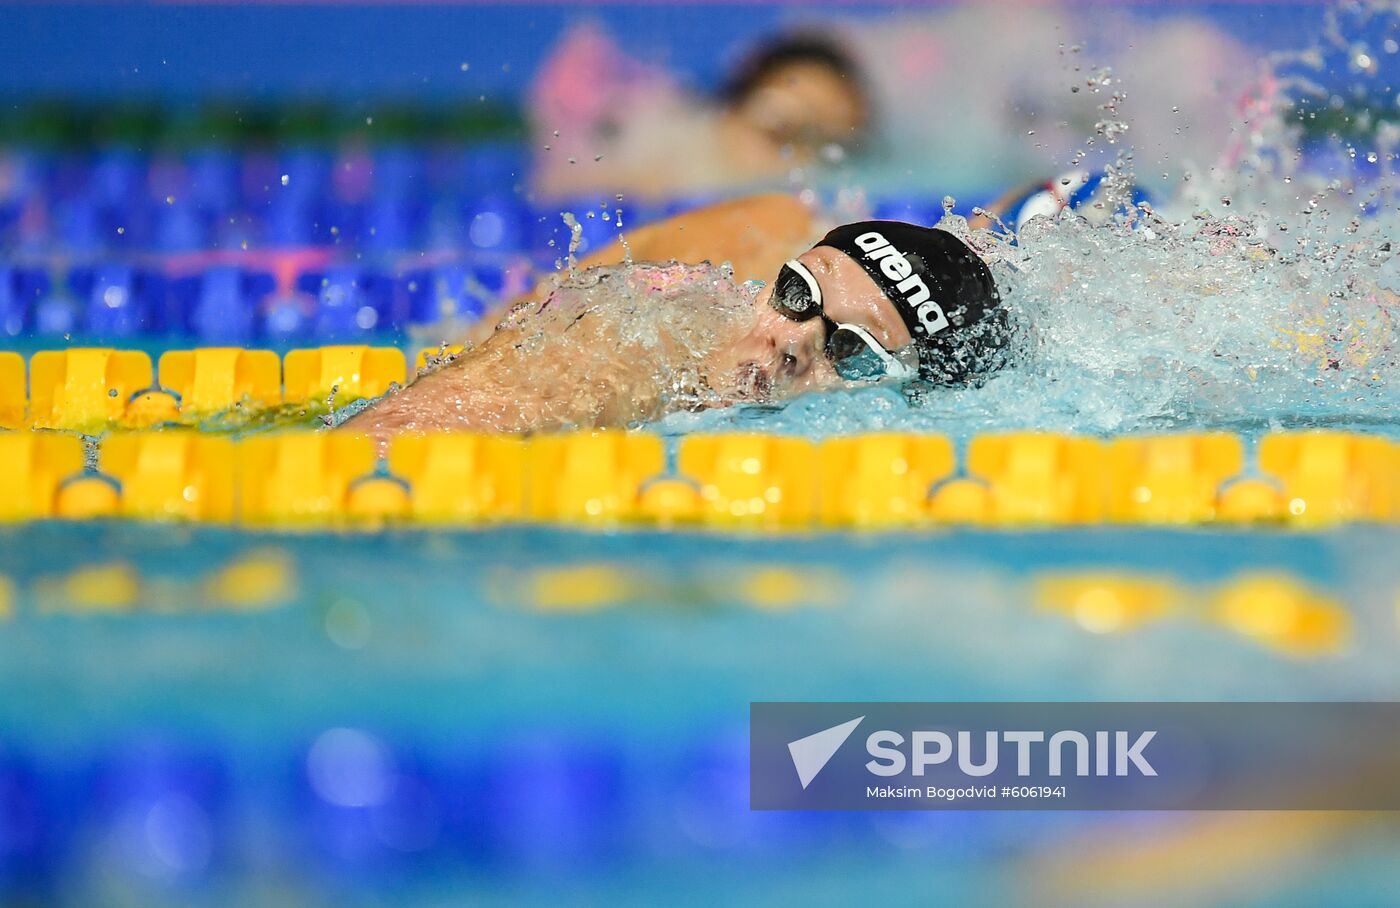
(755, 234)
(1000, 206)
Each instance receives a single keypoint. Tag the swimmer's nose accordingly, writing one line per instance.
(780, 326)
(773, 333)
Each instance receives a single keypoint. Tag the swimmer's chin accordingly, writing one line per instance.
(756, 383)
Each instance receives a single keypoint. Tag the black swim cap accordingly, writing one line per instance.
(941, 288)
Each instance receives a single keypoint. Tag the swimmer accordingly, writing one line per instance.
(876, 300)
(603, 121)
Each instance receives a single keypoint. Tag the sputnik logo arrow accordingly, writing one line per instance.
(813, 752)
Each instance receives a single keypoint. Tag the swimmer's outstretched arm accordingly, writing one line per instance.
(489, 388)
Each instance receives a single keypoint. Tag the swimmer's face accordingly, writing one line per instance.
(782, 357)
(803, 106)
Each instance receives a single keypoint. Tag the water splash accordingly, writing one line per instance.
(610, 346)
(1261, 293)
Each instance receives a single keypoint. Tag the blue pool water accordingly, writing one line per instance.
(463, 723)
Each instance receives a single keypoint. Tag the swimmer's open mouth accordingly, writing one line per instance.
(753, 381)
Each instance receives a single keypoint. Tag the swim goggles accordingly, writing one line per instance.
(854, 351)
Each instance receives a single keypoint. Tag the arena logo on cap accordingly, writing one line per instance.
(895, 266)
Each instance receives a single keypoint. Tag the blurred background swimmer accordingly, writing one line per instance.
(603, 120)
(915, 101)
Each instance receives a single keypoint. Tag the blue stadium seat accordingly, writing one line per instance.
(55, 311)
(77, 227)
(444, 225)
(20, 288)
(290, 220)
(120, 301)
(351, 303)
(288, 318)
(14, 308)
(294, 213)
(127, 226)
(337, 223)
(497, 223)
(391, 223)
(494, 169)
(214, 180)
(180, 227)
(16, 184)
(117, 178)
(219, 306)
(452, 292)
(399, 172)
(9, 217)
(65, 176)
(307, 172)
